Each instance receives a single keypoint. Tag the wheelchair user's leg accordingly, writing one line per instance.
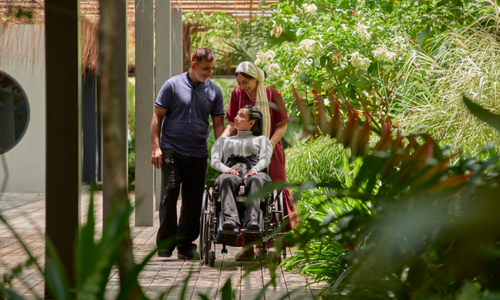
(253, 184)
(227, 185)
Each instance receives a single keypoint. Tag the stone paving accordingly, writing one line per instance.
(161, 278)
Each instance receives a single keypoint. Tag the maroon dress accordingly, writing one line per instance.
(277, 172)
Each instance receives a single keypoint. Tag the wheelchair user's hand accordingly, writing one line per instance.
(252, 172)
(232, 171)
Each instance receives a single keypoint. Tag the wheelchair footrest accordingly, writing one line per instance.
(228, 237)
(250, 236)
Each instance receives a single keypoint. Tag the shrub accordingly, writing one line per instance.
(464, 60)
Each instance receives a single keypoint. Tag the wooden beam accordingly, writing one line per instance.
(121, 61)
(63, 131)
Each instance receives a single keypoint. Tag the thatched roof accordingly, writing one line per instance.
(32, 12)
(90, 8)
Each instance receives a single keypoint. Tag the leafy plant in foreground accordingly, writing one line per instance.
(423, 229)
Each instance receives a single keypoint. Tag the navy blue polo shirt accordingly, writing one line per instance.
(185, 125)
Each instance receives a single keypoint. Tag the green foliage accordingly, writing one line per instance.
(94, 260)
(18, 13)
(131, 107)
(351, 50)
(317, 160)
(418, 227)
(227, 85)
(459, 61)
(131, 164)
(131, 133)
(231, 38)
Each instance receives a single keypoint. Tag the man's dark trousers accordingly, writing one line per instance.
(191, 172)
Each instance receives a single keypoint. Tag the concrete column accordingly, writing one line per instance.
(144, 107)
(163, 29)
(121, 57)
(177, 43)
(63, 130)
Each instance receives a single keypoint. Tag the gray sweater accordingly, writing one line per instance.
(244, 145)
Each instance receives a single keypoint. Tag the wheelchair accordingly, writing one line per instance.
(212, 217)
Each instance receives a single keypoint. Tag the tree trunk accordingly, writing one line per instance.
(114, 161)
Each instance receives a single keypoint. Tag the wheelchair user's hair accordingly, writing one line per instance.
(255, 114)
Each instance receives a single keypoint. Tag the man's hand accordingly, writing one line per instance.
(157, 158)
(232, 171)
(251, 173)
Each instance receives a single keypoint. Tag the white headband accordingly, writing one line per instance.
(261, 101)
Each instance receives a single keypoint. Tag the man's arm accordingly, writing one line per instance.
(156, 156)
(229, 131)
(218, 126)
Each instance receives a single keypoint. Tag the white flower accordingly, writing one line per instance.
(273, 70)
(277, 30)
(306, 45)
(363, 33)
(310, 8)
(388, 67)
(381, 53)
(388, 56)
(257, 62)
(265, 57)
(295, 79)
(399, 44)
(359, 61)
(304, 66)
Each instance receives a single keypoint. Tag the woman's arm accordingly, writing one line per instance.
(217, 154)
(278, 133)
(229, 130)
(266, 151)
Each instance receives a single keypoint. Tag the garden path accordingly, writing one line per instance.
(25, 212)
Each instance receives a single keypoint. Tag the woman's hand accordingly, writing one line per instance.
(252, 172)
(232, 171)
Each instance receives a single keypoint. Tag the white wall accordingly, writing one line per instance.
(26, 160)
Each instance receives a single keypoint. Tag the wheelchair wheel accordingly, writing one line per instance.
(279, 216)
(206, 238)
(201, 243)
(211, 258)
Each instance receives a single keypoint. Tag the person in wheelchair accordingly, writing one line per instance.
(241, 159)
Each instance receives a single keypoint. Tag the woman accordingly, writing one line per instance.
(240, 159)
(252, 91)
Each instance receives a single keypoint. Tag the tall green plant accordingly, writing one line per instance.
(94, 262)
(424, 227)
(352, 50)
(463, 60)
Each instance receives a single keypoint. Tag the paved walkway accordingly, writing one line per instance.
(25, 212)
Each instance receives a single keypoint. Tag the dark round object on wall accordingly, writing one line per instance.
(14, 112)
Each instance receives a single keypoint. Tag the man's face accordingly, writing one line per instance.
(202, 70)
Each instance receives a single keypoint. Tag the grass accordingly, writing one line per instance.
(459, 62)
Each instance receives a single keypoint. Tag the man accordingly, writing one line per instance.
(182, 108)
